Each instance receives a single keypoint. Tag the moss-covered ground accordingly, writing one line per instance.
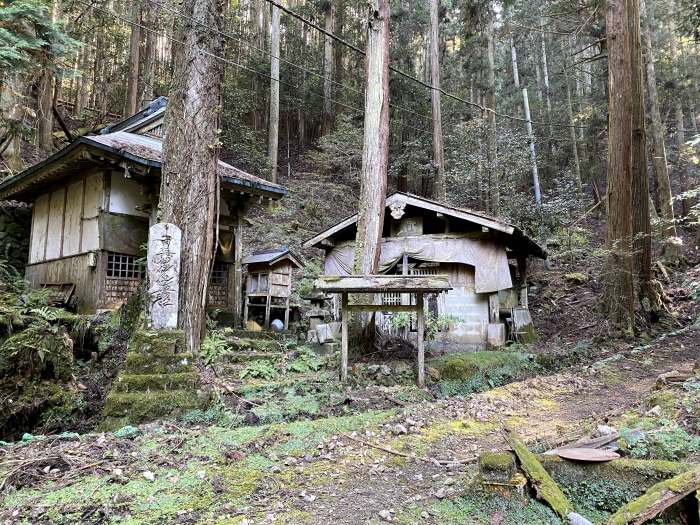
(410, 457)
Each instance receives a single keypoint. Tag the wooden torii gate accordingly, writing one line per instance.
(377, 284)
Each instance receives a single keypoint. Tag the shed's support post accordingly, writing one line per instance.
(522, 280)
(268, 300)
(238, 268)
(245, 312)
(421, 334)
(289, 293)
(494, 308)
(344, 314)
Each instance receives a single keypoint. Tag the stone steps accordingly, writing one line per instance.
(254, 345)
(248, 357)
(159, 380)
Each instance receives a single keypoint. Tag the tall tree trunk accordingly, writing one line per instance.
(494, 183)
(132, 88)
(438, 152)
(547, 93)
(664, 199)
(572, 133)
(44, 128)
(533, 153)
(375, 152)
(338, 56)
(328, 64)
(11, 108)
(189, 192)
(148, 76)
(274, 91)
(678, 119)
(618, 292)
(648, 298)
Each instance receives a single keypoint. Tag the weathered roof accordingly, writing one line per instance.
(503, 228)
(151, 112)
(272, 256)
(139, 149)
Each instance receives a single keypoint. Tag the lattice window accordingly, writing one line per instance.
(423, 271)
(219, 275)
(391, 298)
(122, 266)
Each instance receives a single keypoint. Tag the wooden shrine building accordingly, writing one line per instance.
(94, 200)
(484, 259)
(268, 288)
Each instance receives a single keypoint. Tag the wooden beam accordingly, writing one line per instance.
(382, 308)
(383, 283)
(238, 267)
(421, 342)
(494, 308)
(344, 339)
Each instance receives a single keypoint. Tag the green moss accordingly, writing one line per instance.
(151, 382)
(157, 342)
(147, 364)
(683, 483)
(496, 461)
(147, 406)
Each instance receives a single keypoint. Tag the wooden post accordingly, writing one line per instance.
(289, 293)
(421, 335)
(522, 280)
(238, 267)
(494, 308)
(344, 314)
(268, 300)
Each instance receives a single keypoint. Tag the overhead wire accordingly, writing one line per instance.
(239, 65)
(484, 109)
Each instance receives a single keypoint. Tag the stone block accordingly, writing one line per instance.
(325, 334)
(311, 336)
(496, 334)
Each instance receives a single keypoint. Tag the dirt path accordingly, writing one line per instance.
(548, 410)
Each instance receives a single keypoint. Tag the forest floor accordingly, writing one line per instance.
(392, 453)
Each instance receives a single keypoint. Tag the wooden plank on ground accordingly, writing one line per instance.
(382, 283)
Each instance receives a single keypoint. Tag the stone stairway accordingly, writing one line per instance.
(159, 380)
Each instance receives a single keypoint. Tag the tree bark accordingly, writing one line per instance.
(572, 132)
(274, 91)
(664, 199)
(11, 107)
(494, 193)
(438, 151)
(375, 153)
(678, 119)
(189, 193)
(618, 292)
(328, 65)
(649, 299)
(132, 88)
(533, 153)
(338, 56)
(147, 78)
(44, 128)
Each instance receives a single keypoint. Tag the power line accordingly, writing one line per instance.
(234, 63)
(411, 77)
(272, 55)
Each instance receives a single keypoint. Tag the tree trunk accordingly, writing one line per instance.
(375, 152)
(494, 193)
(132, 88)
(189, 192)
(648, 298)
(44, 128)
(148, 74)
(678, 119)
(572, 132)
(274, 91)
(328, 64)
(438, 152)
(11, 107)
(338, 56)
(618, 292)
(664, 199)
(533, 153)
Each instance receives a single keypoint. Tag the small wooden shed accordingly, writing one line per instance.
(269, 284)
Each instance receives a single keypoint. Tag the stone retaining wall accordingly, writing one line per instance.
(15, 224)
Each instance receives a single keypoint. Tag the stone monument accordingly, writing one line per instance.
(163, 274)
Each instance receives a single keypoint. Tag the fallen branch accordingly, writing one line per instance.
(657, 498)
(545, 487)
(433, 461)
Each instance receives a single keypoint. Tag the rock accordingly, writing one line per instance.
(605, 430)
(324, 333)
(433, 373)
(150, 476)
(654, 411)
(163, 274)
(385, 515)
(399, 429)
(312, 336)
(576, 277)
(385, 370)
(424, 515)
(441, 493)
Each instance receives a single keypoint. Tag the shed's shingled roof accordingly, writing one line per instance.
(271, 256)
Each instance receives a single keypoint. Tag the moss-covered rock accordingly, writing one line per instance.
(140, 407)
(157, 342)
(153, 382)
(138, 363)
(496, 466)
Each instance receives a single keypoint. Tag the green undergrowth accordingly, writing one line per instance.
(203, 476)
(468, 372)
